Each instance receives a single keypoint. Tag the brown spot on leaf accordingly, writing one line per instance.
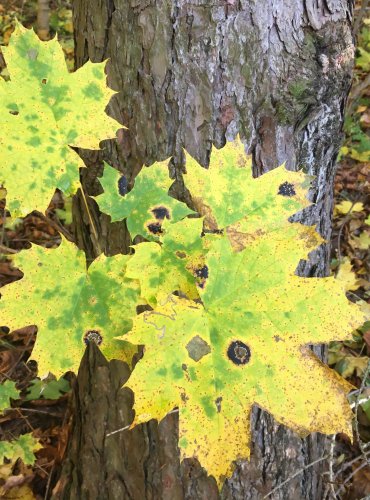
(184, 397)
(197, 348)
(239, 240)
(180, 255)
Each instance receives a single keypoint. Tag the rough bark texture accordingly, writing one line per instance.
(192, 74)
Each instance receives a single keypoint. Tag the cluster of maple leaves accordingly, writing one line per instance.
(226, 319)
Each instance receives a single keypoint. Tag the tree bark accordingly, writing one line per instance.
(192, 74)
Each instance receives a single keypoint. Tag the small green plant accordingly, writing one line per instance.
(226, 319)
(24, 447)
(8, 392)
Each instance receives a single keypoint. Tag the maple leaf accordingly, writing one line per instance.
(146, 206)
(70, 305)
(7, 392)
(51, 110)
(244, 344)
(346, 207)
(23, 447)
(347, 276)
(224, 193)
(47, 388)
(170, 266)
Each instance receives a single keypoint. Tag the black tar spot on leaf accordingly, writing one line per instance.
(122, 185)
(218, 404)
(161, 213)
(155, 228)
(239, 353)
(202, 272)
(93, 336)
(286, 189)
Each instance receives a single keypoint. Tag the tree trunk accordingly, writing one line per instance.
(192, 74)
(43, 14)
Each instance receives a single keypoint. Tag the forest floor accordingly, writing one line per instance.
(43, 405)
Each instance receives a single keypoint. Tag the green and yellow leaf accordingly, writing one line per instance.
(23, 448)
(70, 305)
(48, 388)
(224, 193)
(7, 392)
(146, 206)
(50, 109)
(345, 207)
(347, 276)
(170, 266)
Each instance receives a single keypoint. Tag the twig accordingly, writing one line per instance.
(52, 469)
(300, 471)
(93, 228)
(344, 222)
(361, 402)
(356, 93)
(3, 227)
(118, 430)
(128, 426)
(348, 464)
(25, 418)
(331, 469)
(357, 403)
(11, 370)
(31, 410)
(49, 481)
(42, 468)
(364, 464)
(58, 227)
(6, 249)
(363, 446)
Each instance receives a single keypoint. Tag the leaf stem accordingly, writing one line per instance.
(93, 227)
